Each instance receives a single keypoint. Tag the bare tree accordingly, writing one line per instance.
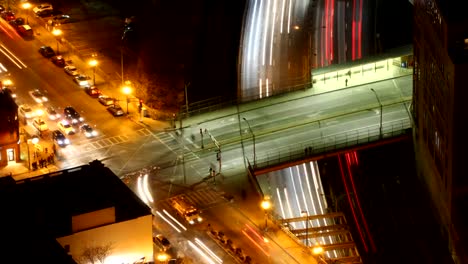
(92, 254)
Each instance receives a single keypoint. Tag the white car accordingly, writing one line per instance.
(40, 124)
(38, 96)
(66, 127)
(52, 114)
(26, 111)
(71, 70)
(82, 80)
(42, 7)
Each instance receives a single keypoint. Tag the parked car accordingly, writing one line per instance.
(25, 31)
(52, 114)
(162, 241)
(17, 22)
(38, 96)
(82, 80)
(46, 51)
(43, 7)
(92, 91)
(88, 131)
(8, 15)
(115, 110)
(2, 8)
(72, 115)
(58, 60)
(106, 100)
(58, 20)
(9, 91)
(40, 124)
(60, 139)
(46, 13)
(71, 70)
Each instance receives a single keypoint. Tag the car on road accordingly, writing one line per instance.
(58, 60)
(26, 111)
(52, 113)
(40, 124)
(82, 80)
(92, 91)
(43, 7)
(88, 131)
(66, 127)
(58, 20)
(46, 51)
(38, 96)
(162, 241)
(25, 30)
(60, 139)
(106, 100)
(8, 15)
(115, 110)
(17, 22)
(71, 70)
(72, 115)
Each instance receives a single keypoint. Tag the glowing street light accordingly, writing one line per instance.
(266, 205)
(26, 6)
(127, 90)
(162, 257)
(93, 63)
(317, 249)
(57, 32)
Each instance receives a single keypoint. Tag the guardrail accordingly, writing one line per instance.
(330, 143)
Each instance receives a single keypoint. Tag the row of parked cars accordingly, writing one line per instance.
(82, 80)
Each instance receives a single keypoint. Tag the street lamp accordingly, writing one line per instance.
(306, 214)
(57, 32)
(318, 251)
(266, 205)
(26, 6)
(380, 103)
(34, 141)
(93, 63)
(162, 257)
(127, 90)
(253, 138)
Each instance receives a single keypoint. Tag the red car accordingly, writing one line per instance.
(92, 91)
(58, 60)
(8, 15)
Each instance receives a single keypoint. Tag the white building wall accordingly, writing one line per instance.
(131, 240)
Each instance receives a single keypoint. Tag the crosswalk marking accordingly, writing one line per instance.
(202, 198)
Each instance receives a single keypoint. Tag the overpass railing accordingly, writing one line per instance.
(332, 143)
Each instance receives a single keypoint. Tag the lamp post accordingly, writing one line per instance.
(253, 139)
(306, 214)
(57, 32)
(34, 141)
(380, 104)
(93, 63)
(26, 6)
(266, 205)
(126, 90)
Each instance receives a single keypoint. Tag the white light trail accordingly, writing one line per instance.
(260, 87)
(289, 205)
(211, 253)
(278, 194)
(265, 31)
(273, 22)
(250, 41)
(140, 190)
(282, 16)
(146, 189)
(3, 68)
(4, 50)
(169, 222)
(289, 15)
(199, 251)
(175, 220)
(267, 87)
